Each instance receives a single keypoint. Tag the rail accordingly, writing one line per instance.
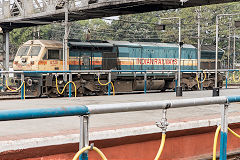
(110, 72)
(84, 111)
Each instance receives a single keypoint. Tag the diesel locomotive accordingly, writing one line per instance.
(47, 55)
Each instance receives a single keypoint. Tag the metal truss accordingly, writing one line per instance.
(24, 13)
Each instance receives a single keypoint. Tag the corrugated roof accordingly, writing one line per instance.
(164, 44)
(123, 43)
(209, 48)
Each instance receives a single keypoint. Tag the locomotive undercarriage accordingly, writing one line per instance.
(87, 84)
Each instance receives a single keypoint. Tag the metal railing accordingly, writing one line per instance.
(84, 111)
(144, 73)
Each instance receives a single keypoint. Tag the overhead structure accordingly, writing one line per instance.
(25, 13)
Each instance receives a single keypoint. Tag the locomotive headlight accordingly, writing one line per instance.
(15, 62)
(29, 82)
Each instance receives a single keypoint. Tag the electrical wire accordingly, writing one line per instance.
(88, 148)
(161, 146)
(107, 84)
(66, 86)
(215, 142)
(22, 85)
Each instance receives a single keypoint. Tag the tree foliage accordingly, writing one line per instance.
(143, 27)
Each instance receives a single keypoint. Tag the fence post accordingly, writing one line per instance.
(145, 82)
(176, 81)
(224, 130)
(84, 141)
(109, 85)
(227, 79)
(201, 73)
(23, 87)
(70, 85)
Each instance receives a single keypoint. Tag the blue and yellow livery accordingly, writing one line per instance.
(46, 55)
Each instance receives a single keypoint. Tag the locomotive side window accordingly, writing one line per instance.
(35, 50)
(53, 54)
(23, 51)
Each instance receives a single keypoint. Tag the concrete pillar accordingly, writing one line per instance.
(4, 50)
(6, 36)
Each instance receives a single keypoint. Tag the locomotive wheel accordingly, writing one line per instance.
(163, 90)
(194, 88)
(52, 95)
(184, 86)
(100, 93)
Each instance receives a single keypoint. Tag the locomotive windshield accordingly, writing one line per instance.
(23, 51)
(35, 50)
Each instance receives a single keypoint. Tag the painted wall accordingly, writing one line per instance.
(185, 144)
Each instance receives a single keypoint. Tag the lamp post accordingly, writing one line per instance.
(180, 44)
(216, 89)
(234, 47)
(236, 25)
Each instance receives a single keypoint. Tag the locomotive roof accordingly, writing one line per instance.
(46, 43)
(127, 43)
(164, 44)
(90, 44)
(209, 48)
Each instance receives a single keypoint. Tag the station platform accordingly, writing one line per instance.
(130, 135)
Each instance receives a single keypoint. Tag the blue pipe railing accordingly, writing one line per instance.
(7, 115)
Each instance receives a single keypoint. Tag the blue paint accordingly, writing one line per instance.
(83, 156)
(22, 91)
(109, 89)
(47, 71)
(226, 82)
(70, 90)
(233, 99)
(201, 85)
(145, 86)
(223, 146)
(6, 115)
(175, 85)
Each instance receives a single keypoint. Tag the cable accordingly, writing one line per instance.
(88, 148)
(198, 83)
(66, 86)
(107, 84)
(23, 84)
(161, 146)
(234, 133)
(215, 142)
(234, 78)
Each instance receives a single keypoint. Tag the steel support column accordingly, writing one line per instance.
(145, 82)
(216, 89)
(23, 87)
(224, 130)
(84, 140)
(109, 84)
(70, 85)
(179, 87)
(6, 36)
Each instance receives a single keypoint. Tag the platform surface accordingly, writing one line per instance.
(39, 128)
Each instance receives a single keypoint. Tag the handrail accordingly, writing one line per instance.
(112, 71)
(6, 115)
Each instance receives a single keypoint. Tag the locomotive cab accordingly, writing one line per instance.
(41, 55)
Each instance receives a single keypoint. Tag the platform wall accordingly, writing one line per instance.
(185, 144)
